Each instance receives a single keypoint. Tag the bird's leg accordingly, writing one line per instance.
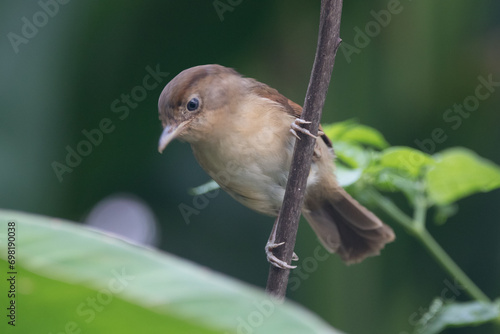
(271, 244)
(297, 126)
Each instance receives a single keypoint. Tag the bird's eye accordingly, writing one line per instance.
(193, 104)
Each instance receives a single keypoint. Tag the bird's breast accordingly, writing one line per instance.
(250, 157)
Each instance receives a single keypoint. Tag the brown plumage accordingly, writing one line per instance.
(239, 130)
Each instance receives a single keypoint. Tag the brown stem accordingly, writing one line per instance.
(288, 219)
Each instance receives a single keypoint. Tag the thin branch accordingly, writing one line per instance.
(288, 219)
(420, 207)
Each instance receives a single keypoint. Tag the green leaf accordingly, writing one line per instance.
(458, 173)
(352, 155)
(405, 159)
(347, 176)
(335, 131)
(443, 315)
(69, 267)
(352, 132)
(392, 180)
(366, 135)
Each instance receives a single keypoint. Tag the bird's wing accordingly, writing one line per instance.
(289, 106)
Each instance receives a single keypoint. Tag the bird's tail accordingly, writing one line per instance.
(346, 227)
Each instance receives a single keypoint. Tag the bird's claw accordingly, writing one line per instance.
(297, 126)
(274, 260)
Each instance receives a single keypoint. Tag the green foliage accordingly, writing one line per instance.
(132, 288)
(447, 176)
(354, 133)
(426, 181)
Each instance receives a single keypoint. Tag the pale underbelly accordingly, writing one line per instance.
(255, 186)
(254, 175)
(262, 193)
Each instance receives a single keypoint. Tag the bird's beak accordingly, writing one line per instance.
(170, 133)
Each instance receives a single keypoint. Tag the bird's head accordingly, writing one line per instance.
(190, 102)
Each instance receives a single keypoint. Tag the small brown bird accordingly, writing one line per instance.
(242, 133)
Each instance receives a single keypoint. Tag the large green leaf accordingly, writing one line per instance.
(405, 159)
(442, 315)
(458, 173)
(69, 275)
(352, 155)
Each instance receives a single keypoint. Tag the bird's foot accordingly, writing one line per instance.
(297, 126)
(274, 260)
(271, 245)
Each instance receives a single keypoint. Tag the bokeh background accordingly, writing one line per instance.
(421, 61)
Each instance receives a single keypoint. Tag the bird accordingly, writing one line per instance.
(242, 132)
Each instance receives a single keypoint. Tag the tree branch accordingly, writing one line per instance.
(288, 219)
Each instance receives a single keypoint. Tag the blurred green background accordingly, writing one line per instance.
(62, 78)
